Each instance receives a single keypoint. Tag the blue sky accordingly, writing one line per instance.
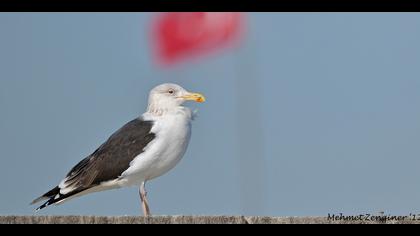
(314, 113)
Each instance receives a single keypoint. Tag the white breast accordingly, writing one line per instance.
(173, 132)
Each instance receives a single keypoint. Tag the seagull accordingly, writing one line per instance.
(143, 149)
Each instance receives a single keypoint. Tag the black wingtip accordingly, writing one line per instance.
(43, 206)
(47, 203)
(42, 198)
(49, 197)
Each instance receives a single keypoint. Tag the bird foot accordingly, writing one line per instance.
(144, 202)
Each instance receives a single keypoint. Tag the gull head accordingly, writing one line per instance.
(169, 96)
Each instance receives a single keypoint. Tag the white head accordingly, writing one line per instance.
(166, 97)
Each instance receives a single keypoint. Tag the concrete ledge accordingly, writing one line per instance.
(183, 220)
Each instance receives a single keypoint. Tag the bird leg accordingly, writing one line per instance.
(143, 198)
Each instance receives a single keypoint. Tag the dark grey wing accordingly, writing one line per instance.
(113, 157)
(108, 162)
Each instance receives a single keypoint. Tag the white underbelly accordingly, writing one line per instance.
(161, 155)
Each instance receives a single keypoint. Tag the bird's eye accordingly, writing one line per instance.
(171, 91)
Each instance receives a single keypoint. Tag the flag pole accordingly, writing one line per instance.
(250, 134)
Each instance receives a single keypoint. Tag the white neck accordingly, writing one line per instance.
(160, 110)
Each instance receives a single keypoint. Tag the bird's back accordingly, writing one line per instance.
(105, 164)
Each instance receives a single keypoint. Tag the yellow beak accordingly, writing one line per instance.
(194, 97)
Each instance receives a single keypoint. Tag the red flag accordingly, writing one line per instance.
(179, 35)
